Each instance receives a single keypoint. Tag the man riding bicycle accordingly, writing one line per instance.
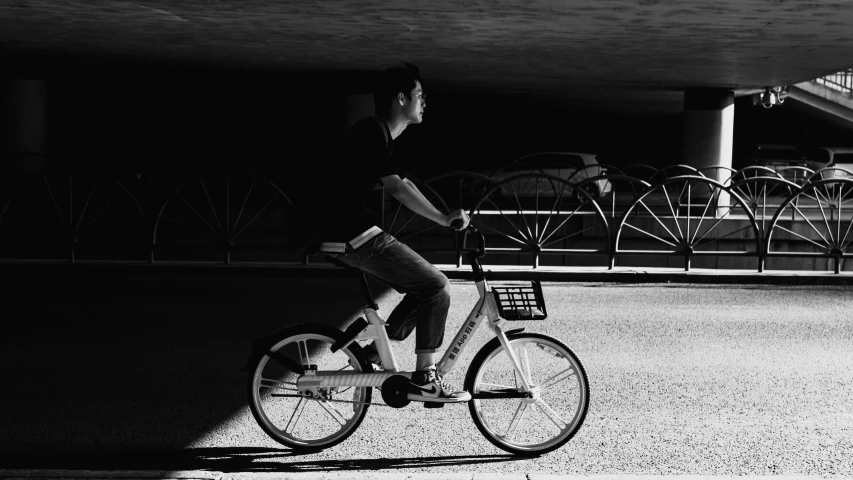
(349, 230)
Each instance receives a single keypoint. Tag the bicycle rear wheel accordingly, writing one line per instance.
(528, 426)
(292, 418)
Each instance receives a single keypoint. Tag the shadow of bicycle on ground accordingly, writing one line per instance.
(236, 459)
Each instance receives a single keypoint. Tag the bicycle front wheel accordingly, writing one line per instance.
(528, 424)
(322, 419)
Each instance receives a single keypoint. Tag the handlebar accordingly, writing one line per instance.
(480, 250)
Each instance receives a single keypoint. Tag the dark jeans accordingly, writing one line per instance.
(427, 291)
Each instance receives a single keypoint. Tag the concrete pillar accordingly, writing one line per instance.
(25, 124)
(709, 118)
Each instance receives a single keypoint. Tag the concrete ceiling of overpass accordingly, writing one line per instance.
(625, 55)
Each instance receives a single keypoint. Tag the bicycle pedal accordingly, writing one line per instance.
(433, 404)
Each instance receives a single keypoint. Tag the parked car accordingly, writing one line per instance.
(838, 157)
(778, 157)
(573, 166)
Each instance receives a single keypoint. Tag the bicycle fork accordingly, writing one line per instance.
(486, 309)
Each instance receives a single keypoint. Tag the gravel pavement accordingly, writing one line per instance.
(687, 381)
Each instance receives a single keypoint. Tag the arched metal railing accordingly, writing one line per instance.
(219, 214)
(676, 216)
(688, 216)
(59, 216)
(819, 222)
(538, 215)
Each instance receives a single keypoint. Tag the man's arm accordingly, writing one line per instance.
(408, 194)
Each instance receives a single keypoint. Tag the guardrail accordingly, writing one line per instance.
(840, 81)
(678, 216)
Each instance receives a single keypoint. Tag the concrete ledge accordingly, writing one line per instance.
(654, 275)
(496, 272)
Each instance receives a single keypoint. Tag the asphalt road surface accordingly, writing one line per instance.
(685, 379)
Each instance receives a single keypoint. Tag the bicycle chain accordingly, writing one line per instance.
(324, 399)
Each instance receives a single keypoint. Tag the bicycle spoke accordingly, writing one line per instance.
(273, 384)
(278, 385)
(333, 412)
(354, 403)
(295, 416)
(551, 381)
(516, 420)
(525, 364)
(551, 414)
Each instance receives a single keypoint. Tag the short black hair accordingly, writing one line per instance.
(391, 82)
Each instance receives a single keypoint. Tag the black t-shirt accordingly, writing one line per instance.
(365, 156)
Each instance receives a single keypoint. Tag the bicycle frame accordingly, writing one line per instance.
(485, 309)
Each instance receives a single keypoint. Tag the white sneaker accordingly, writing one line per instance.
(429, 386)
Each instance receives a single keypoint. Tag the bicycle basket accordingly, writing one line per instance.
(520, 302)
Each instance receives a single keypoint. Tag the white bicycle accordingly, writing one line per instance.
(310, 386)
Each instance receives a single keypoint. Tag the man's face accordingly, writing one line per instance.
(414, 108)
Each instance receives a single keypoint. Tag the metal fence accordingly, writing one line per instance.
(676, 216)
(840, 81)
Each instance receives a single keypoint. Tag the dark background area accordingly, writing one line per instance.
(123, 117)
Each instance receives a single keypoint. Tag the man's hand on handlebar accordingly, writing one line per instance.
(458, 220)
